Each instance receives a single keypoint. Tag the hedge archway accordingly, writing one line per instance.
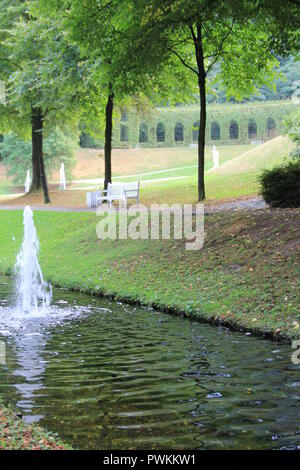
(252, 129)
(233, 130)
(124, 133)
(178, 132)
(143, 135)
(195, 131)
(215, 132)
(160, 132)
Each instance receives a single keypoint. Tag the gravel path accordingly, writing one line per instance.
(239, 204)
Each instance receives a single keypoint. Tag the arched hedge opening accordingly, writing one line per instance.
(178, 132)
(160, 132)
(233, 130)
(124, 116)
(215, 133)
(143, 135)
(195, 131)
(124, 133)
(252, 129)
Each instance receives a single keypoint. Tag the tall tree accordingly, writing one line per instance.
(41, 82)
(92, 26)
(242, 37)
(99, 27)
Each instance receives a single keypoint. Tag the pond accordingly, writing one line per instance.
(109, 376)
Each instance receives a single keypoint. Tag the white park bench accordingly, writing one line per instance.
(114, 192)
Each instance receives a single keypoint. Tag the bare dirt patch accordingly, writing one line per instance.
(235, 228)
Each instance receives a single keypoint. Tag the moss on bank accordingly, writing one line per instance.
(246, 276)
(16, 435)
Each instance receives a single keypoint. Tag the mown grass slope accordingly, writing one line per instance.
(247, 274)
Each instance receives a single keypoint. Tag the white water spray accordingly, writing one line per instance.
(32, 291)
(62, 177)
(27, 182)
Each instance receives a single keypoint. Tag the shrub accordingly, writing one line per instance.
(280, 186)
(87, 141)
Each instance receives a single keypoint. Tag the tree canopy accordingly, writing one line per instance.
(233, 42)
(42, 73)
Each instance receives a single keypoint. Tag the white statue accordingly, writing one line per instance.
(215, 157)
(27, 182)
(62, 177)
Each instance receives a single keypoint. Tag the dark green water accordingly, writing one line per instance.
(109, 376)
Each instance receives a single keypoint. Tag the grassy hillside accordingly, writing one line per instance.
(257, 158)
(237, 177)
(90, 162)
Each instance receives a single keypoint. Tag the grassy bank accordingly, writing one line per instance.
(247, 274)
(16, 435)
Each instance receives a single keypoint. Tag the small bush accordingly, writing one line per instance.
(280, 186)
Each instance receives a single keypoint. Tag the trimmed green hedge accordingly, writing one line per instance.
(280, 186)
(188, 116)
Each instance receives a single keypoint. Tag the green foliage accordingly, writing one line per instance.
(41, 70)
(88, 141)
(280, 186)
(286, 85)
(15, 434)
(292, 128)
(101, 29)
(240, 40)
(58, 147)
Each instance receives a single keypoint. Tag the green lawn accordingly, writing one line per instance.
(237, 176)
(156, 163)
(247, 274)
(184, 162)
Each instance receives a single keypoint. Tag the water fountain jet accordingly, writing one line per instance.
(32, 291)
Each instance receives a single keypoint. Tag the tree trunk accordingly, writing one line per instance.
(201, 139)
(38, 169)
(202, 92)
(108, 135)
(36, 150)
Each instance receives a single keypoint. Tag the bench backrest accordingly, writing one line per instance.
(115, 190)
(132, 189)
(118, 189)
